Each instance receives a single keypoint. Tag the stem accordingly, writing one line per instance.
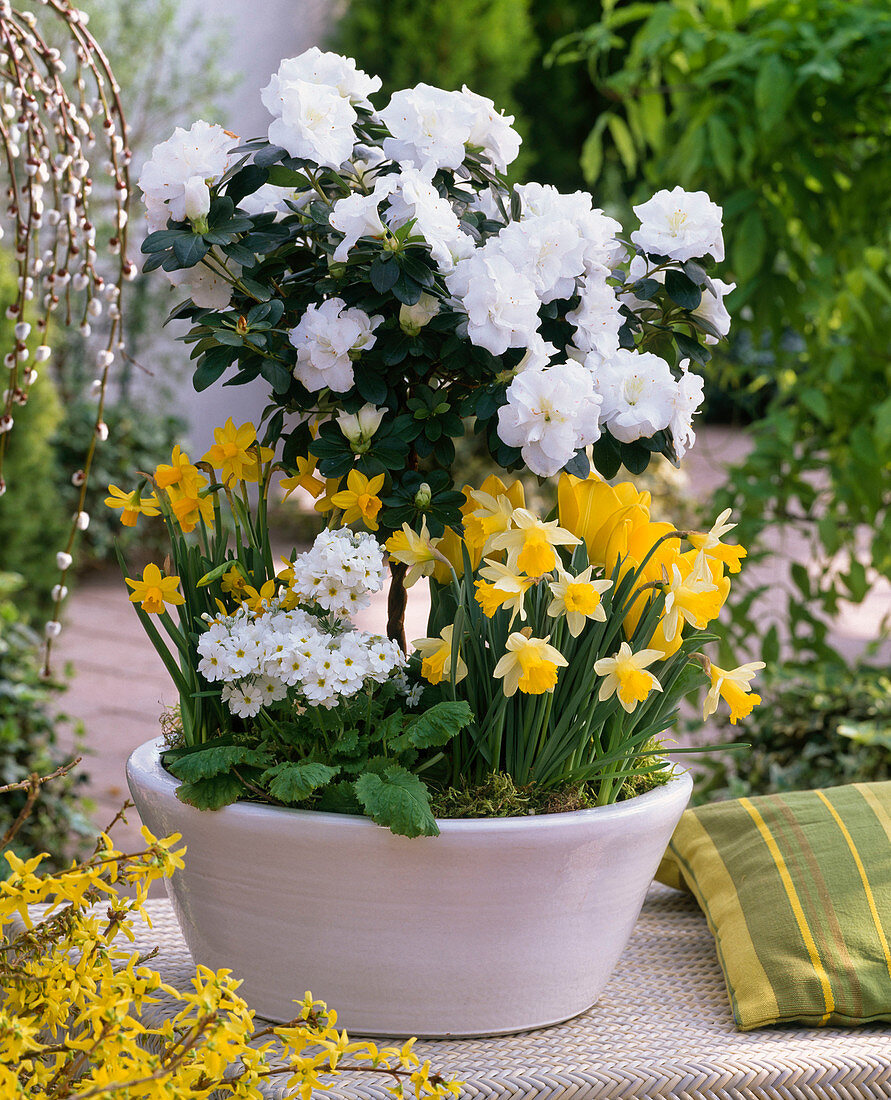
(397, 598)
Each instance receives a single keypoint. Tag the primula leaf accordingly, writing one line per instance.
(213, 760)
(340, 798)
(436, 726)
(397, 800)
(293, 782)
(210, 794)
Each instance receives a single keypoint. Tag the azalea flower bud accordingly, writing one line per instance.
(413, 318)
(82, 519)
(197, 198)
(423, 496)
(53, 628)
(359, 428)
(59, 592)
(63, 560)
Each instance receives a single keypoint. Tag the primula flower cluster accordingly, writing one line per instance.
(262, 651)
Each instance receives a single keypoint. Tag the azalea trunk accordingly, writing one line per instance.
(396, 602)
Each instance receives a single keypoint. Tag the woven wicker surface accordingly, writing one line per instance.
(662, 1029)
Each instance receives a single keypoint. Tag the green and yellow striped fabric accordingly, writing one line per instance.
(796, 888)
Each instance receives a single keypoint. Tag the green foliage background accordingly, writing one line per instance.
(781, 110)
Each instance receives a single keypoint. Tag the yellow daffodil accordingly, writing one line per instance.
(710, 543)
(417, 551)
(436, 654)
(692, 595)
(305, 478)
(325, 503)
(257, 601)
(578, 598)
(132, 505)
(360, 500)
(451, 546)
(591, 508)
(236, 453)
(190, 504)
(626, 675)
(530, 664)
(154, 590)
(733, 687)
(179, 467)
(492, 507)
(530, 542)
(507, 589)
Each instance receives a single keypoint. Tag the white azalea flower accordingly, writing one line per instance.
(492, 130)
(314, 66)
(638, 392)
(500, 302)
(177, 174)
(597, 319)
(312, 120)
(327, 338)
(269, 197)
(596, 230)
(206, 289)
(429, 127)
(683, 225)
(358, 216)
(688, 397)
(549, 250)
(713, 310)
(414, 197)
(539, 354)
(550, 413)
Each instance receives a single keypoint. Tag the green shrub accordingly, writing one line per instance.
(778, 108)
(28, 744)
(814, 728)
(138, 439)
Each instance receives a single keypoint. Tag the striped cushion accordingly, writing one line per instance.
(796, 888)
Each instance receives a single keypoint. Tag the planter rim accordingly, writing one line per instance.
(146, 761)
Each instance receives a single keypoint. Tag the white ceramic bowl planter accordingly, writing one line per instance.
(497, 925)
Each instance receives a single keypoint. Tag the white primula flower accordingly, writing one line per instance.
(688, 397)
(549, 250)
(206, 289)
(414, 198)
(683, 225)
(500, 302)
(549, 415)
(314, 66)
(713, 310)
(597, 319)
(429, 127)
(174, 180)
(314, 121)
(491, 130)
(638, 392)
(358, 216)
(327, 339)
(243, 699)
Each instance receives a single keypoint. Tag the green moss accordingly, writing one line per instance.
(499, 796)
